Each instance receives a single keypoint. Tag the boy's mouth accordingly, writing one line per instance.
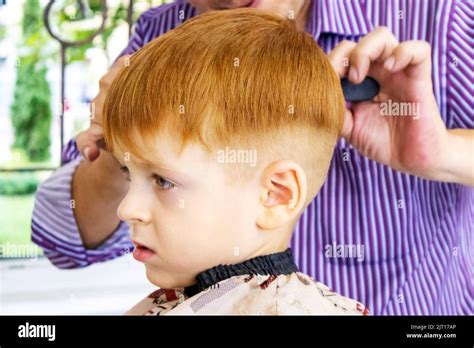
(141, 252)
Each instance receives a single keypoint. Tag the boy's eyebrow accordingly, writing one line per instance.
(157, 164)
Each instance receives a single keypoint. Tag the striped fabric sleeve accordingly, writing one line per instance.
(157, 21)
(54, 227)
(460, 70)
(70, 151)
(137, 39)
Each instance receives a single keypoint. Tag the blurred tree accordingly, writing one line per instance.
(31, 17)
(31, 108)
(117, 15)
(3, 31)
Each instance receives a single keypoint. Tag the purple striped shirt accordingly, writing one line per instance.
(397, 243)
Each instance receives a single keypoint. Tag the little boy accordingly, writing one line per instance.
(225, 127)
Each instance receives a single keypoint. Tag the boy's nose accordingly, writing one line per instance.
(133, 208)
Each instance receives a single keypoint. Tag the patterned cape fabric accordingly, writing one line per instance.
(292, 294)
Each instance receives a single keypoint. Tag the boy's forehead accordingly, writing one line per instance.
(163, 153)
(149, 159)
(148, 151)
(157, 155)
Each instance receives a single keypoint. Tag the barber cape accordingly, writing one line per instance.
(266, 285)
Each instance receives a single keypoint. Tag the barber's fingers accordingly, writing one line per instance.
(378, 45)
(413, 53)
(339, 57)
(105, 82)
(89, 142)
(108, 78)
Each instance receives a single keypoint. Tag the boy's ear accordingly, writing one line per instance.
(283, 194)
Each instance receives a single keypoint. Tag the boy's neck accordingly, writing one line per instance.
(273, 264)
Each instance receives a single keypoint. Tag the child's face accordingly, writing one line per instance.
(184, 210)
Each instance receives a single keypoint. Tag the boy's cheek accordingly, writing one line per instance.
(171, 202)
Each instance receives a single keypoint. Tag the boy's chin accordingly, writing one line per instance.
(166, 281)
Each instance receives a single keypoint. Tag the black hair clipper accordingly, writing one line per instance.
(365, 90)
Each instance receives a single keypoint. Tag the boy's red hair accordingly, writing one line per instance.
(237, 78)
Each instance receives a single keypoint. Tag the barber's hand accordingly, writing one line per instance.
(90, 141)
(416, 143)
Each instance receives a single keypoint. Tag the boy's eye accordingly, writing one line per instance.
(162, 183)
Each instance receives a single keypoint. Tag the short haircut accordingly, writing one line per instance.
(242, 78)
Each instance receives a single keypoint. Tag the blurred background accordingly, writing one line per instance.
(47, 81)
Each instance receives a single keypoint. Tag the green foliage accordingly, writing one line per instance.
(119, 16)
(31, 17)
(15, 215)
(14, 184)
(31, 108)
(3, 31)
(31, 112)
(116, 16)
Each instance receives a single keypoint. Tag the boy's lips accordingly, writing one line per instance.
(141, 252)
